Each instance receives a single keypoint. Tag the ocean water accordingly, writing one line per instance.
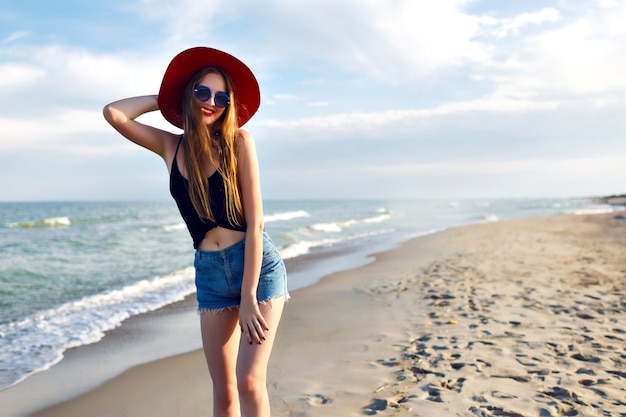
(70, 271)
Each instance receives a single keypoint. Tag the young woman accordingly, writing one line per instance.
(241, 281)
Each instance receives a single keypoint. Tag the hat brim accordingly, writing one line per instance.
(190, 61)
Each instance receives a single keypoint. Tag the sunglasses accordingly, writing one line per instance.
(204, 94)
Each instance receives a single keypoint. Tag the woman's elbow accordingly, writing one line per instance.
(114, 116)
(255, 227)
(106, 112)
(109, 114)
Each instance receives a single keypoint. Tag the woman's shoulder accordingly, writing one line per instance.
(245, 144)
(243, 134)
(244, 138)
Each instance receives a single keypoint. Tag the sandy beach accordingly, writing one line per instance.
(514, 318)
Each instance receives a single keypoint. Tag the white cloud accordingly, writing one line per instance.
(577, 59)
(93, 75)
(15, 75)
(51, 131)
(54, 74)
(500, 102)
(581, 58)
(607, 4)
(540, 166)
(507, 27)
(12, 37)
(184, 20)
(415, 41)
(319, 104)
(53, 96)
(394, 44)
(278, 99)
(72, 130)
(419, 38)
(285, 97)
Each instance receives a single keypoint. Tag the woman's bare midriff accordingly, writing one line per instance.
(220, 238)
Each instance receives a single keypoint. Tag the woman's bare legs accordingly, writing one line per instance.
(252, 364)
(221, 342)
(238, 369)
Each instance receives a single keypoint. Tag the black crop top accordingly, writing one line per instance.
(179, 188)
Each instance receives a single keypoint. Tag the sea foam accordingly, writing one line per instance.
(288, 215)
(48, 222)
(38, 341)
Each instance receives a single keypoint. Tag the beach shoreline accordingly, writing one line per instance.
(453, 323)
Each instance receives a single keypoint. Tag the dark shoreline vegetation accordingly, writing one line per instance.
(617, 199)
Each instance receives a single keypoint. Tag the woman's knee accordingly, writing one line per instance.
(225, 397)
(251, 385)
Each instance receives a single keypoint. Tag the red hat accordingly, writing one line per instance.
(190, 61)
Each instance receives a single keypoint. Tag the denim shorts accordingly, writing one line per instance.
(219, 275)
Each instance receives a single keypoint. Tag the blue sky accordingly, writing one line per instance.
(360, 98)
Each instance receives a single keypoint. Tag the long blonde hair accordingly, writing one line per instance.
(199, 141)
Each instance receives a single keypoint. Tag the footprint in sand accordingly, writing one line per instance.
(317, 400)
(560, 393)
(434, 393)
(494, 411)
(585, 371)
(591, 382)
(586, 358)
(621, 374)
(452, 384)
(503, 395)
(375, 406)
